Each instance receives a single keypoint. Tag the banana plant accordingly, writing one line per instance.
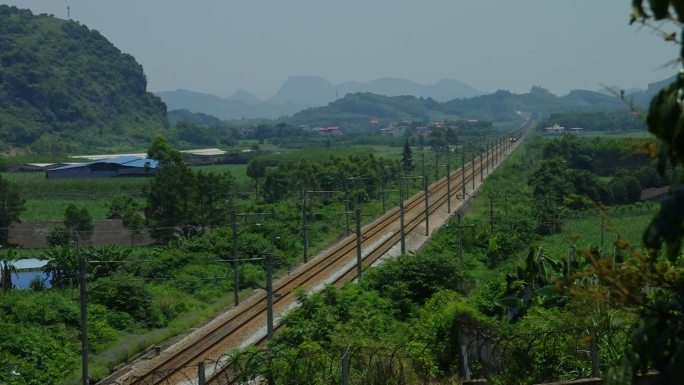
(532, 283)
(6, 270)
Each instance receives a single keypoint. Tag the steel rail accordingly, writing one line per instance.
(205, 343)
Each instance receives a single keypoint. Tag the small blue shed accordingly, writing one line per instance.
(26, 270)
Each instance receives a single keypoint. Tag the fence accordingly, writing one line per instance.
(613, 212)
(105, 232)
(557, 355)
(310, 366)
(570, 354)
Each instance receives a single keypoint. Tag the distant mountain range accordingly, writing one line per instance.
(355, 111)
(301, 92)
(638, 97)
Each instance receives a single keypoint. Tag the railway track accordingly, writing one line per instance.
(337, 265)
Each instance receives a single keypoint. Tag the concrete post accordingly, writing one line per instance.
(236, 274)
(401, 218)
(269, 297)
(84, 318)
(359, 266)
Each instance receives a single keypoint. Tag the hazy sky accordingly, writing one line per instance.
(218, 46)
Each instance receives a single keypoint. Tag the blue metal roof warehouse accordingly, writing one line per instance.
(106, 168)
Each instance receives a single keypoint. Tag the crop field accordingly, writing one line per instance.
(585, 233)
(238, 171)
(47, 199)
(618, 134)
(607, 134)
(35, 183)
(322, 153)
(53, 209)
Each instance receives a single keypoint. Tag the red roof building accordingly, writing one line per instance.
(332, 130)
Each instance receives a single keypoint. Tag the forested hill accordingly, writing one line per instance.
(356, 110)
(64, 87)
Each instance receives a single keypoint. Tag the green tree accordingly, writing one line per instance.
(161, 151)
(62, 266)
(128, 294)
(129, 210)
(407, 158)
(58, 236)
(5, 275)
(256, 169)
(656, 284)
(212, 194)
(79, 222)
(632, 188)
(619, 190)
(180, 199)
(11, 206)
(170, 200)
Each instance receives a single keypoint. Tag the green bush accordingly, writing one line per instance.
(127, 294)
(412, 279)
(437, 326)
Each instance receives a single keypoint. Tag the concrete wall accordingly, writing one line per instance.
(107, 231)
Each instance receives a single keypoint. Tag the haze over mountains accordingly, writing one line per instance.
(96, 97)
(301, 92)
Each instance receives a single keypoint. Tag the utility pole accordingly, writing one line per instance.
(425, 193)
(304, 228)
(496, 150)
(499, 147)
(359, 267)
(269, 297)
(481, 167)
(235, 234)
(495, 153)
(236, 274)
(463, 175)
(473, 168)
(346, 213)
(383, 194)
(401, 218)
(448, 165)
(505, 194)
(460, 237)
(489, 151)
(345, 366)
(84, 317)
(603, 230)
(491, 214)
(460, 240)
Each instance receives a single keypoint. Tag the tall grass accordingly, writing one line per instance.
(34, 183)
(586, 233)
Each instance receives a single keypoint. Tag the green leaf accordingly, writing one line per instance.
(548, 291)
(492, 246)
(509, 302)
(659, 8)
(679, 7)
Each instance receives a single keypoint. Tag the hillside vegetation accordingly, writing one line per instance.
(355, 110)
(64, 86)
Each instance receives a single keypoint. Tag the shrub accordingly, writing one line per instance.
(129, 295)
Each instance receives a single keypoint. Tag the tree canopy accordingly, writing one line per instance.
(11, 206)
(66, 87)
